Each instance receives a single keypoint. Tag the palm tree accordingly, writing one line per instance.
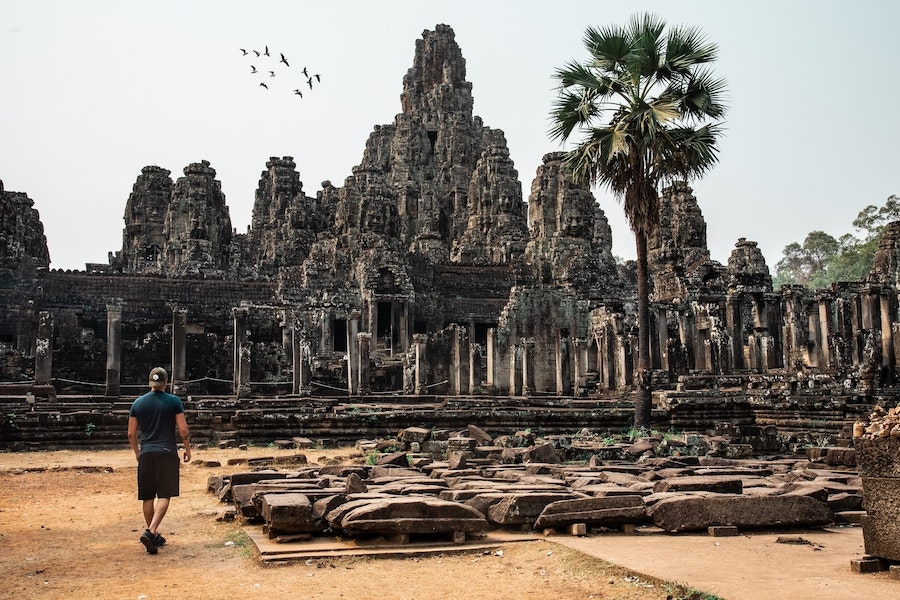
(648, 110)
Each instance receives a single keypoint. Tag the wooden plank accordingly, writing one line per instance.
(323, 547)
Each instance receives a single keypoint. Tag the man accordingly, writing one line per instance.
(158, 415)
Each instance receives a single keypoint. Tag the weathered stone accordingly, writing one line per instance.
(414, 434)
(878, 457)
(599, 511)
(698, 513)
(543, 453)
(394, 458)
(355, 484)
(288, 513)
(480, 436)
(719, 485)
(406, 515)
(458, 460)
(881, 526)
(523, 509)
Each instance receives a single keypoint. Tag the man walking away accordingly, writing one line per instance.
(157, 414)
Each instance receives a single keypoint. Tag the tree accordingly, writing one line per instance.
(648, 110)
(822, 260)
(808, 264)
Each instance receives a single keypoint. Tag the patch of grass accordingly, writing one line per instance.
(676, 591)
(239, 540)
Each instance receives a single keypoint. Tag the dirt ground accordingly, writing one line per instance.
(70, 523)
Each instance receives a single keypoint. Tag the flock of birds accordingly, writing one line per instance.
(263, 68)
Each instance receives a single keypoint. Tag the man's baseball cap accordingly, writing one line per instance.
(158, 376)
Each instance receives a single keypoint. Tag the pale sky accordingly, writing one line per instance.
(92, 91)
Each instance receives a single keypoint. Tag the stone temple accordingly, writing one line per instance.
(427, 275)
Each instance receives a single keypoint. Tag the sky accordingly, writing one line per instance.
(93, 91)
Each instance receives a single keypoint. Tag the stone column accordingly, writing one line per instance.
(25, 335)
(43, 349)
(179, 331)
(475, 374)
(563, 367)
(887, 342)
(489, 376)
(300, 380)
(662, 336)
(420, 340)
(858, 335)
(815, 358)
(405, 327)
(353, 353)
(244, 381)
(287, 336)
(528, 366)
(580, 346)
(240, 338)
(686, 326)
(364, 341)
(824, 306)
(735, 324)
(113, 348)
(620, 362)
(456, 361)
(515, 370)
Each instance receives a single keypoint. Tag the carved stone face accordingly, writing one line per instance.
(572, 222)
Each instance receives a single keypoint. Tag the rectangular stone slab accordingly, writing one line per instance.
(699, 513)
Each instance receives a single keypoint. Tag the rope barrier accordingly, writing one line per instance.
(330, 387)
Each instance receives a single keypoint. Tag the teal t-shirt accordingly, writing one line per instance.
(155, 412)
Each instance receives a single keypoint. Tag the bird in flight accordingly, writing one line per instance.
(311, 79)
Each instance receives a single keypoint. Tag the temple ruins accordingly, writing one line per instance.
(426, 289)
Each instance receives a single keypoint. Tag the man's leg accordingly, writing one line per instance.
(157, 510)
(148, 510)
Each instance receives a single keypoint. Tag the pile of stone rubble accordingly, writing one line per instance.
(882, 423)
(481, 486)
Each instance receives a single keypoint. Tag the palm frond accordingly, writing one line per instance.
(609, 47)
(686, 48)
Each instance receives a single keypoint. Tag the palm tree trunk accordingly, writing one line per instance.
(643, 403)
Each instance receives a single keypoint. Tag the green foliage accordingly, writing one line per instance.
(822, 259)
(89, 429)
(677, 591)
(9, 421)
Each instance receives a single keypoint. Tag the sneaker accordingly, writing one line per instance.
(149, 542)
(159, 541)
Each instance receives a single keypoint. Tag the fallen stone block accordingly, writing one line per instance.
(523, 508)
(288, 513)
(545, 453)
(866, 565)
(596, 512)
(699, 483)
(406, 515)
(698, 513)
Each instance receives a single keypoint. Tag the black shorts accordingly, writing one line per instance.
(157, 475)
